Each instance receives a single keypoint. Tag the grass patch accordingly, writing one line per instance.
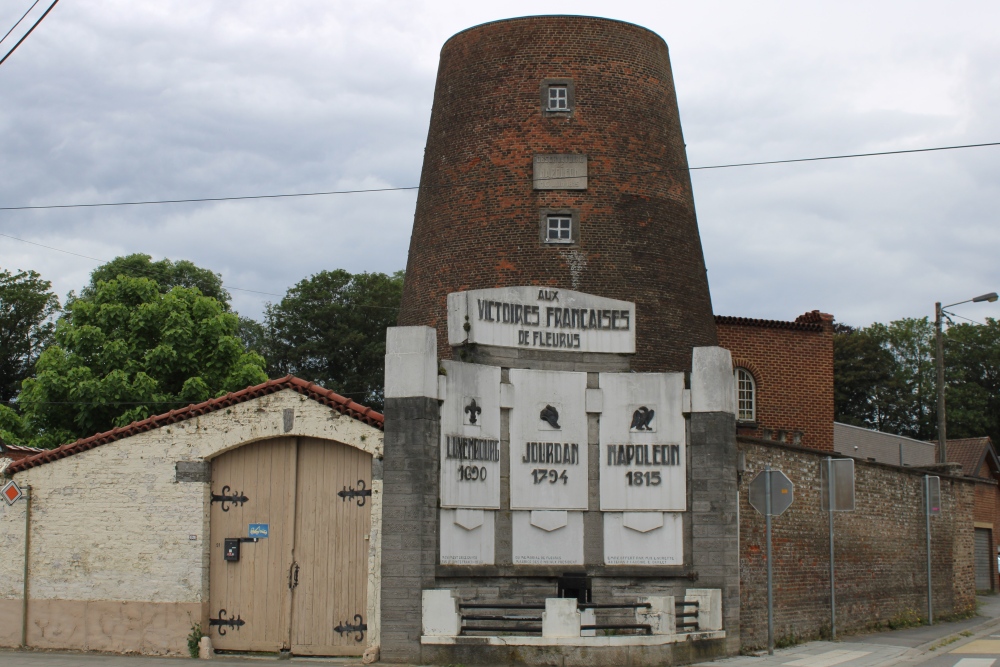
(194, 640)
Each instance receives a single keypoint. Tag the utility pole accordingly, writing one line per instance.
(939, 314)
(939, 362)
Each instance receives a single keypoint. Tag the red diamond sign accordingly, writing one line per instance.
(11, 492)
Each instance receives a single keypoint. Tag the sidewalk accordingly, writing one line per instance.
(902, 648)
(911, 646)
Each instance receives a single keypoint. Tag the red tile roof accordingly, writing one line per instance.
(970, 452)
(18, 452)
(344, 406)
(812, 321)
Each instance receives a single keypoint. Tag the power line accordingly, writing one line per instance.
(18, 21)
(966, 318)
(419, 187)
(30, 30)
(241, 289)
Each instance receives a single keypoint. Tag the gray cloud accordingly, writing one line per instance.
(120, 101)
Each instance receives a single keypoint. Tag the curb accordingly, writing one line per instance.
(925, 648)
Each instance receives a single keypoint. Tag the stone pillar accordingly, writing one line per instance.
(410, 493)
(714, 491)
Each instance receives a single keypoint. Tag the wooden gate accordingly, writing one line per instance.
(304, 586)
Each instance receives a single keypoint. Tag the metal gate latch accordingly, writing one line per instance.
(358, 627)
(222, 622)
(236, 498)
(361, 492)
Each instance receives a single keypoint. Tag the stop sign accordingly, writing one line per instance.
(782, 492)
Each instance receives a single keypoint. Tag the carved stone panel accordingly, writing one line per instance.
(467, 536)
(470, 436)
(547, 538)
(548, 440)
(643, 458)
(560, 172)
(643, 538)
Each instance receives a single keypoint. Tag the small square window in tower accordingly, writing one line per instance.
(558, 98)
(559, 229)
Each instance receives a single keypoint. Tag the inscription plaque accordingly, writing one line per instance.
(560, 172)
(541, 318)
(470, 436)
(547, 538)
(643, 462)
(548, 441)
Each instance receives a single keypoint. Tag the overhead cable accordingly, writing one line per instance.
(30, 30)
(18, 21)
(488, 183)
(241, 289)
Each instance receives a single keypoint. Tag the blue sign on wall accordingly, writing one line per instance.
(257, 530)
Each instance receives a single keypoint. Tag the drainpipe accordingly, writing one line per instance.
(27, 550)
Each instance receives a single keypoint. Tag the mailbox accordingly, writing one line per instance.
(231, 549)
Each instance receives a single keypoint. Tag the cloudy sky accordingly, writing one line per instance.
(113, 100)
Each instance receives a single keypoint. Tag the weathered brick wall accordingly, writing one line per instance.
(792, 364)
(988, 512)
(477, 215)
(112, 524)
(880, 552)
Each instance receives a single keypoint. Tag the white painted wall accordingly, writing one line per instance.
(112, 523)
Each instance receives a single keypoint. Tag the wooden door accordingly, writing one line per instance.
(252, 594)
(331, 549)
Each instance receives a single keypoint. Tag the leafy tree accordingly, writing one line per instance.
(253, 334)
(127, 351)
(885, 378)
(165, 273)
(972, 380)
(27, 309)
(330, 329)
(864, 377)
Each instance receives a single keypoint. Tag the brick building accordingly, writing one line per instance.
(131, 530)
(784, 376)
(979, 461)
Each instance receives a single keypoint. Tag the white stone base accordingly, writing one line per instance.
(636, 640)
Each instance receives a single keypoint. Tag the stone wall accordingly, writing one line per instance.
(880, 552)
(411, 549)
(112, 565)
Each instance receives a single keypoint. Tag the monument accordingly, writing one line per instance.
(559, 471)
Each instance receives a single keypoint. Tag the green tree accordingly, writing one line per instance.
(128, 351)
(972, 380)
(330, 329)
(27, 311)
(165, 273)
(864, 377)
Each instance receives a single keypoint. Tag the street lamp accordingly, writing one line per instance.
(939, 311)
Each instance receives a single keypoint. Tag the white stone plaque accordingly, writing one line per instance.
(540, 318)
(548, 440)
(467, 536)
(547, 538)
(643, 459)
(643, 538)
(560, 172)
(470, 436)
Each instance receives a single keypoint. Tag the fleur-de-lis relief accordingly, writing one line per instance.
(473, 410)
(550, 415)
(642, 419)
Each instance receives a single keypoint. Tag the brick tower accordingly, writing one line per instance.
(555, 158)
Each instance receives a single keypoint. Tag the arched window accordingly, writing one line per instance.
(746, 396)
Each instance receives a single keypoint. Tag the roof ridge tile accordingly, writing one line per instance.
(315, 391)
